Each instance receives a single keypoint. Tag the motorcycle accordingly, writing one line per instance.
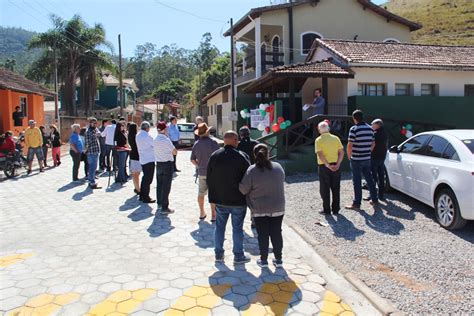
(11, 162)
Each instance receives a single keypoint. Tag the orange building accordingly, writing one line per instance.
(16, 90)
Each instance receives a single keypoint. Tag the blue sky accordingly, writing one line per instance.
(137, 21)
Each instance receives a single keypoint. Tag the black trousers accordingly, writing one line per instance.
(269, 228)
(76, 161)
(175, 144)
(86, 163)
(330, 182)
(164, 177)
(378, 173)
(147, 178)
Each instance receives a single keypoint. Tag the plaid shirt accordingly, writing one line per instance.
(92, 141)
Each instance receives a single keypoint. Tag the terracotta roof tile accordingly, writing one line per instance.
(400, 54)
(324, 67)
(13, 81)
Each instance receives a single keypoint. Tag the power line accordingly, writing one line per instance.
(190, 13)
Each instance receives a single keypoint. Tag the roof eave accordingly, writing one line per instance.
(413, 66)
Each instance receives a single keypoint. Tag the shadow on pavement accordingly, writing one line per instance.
(381, 223)
(70, 186)
(160, 226)
(141, 213)
(343, 228)
(204, 235)
(249, 292)
(130, 203)
(80, 195)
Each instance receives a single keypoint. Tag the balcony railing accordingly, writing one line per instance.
(247, 65)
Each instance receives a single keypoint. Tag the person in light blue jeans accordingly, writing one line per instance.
(237, 214)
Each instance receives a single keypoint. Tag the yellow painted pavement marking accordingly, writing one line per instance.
(272, 299)
(15, 258)
(198, 300)
(44, 304)
(121, 302)
(333, 305)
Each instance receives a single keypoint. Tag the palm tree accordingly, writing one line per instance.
(76, 49)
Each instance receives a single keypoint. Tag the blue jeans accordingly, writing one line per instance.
(92, 160)
(122, 157)
(360, 168)
(237, 216)
(378, 174)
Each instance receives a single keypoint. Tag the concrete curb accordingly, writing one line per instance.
(383, 305)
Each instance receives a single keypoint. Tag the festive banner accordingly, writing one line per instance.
(256, 118)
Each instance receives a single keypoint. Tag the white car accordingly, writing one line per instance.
(186, 134)
(437, 168)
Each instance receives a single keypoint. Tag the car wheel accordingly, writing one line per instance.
(447, 210)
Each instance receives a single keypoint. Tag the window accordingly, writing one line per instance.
(307, 40)
(450, 153)
(415, 145)
(371, 89)
(24, 106)
(97, 95)
(436, 147)
(403, 89)
(429, 89)
(469, 90)
(76, 95)
(469, 144)
(211, 109)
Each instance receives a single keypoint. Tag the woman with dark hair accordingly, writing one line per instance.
(135, 166)
(122, 147)
(46, 144)
(263, 185)
(55, 138)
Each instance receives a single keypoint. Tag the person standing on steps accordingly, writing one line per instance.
(164, 152)
(92, 149)
(359, 148)
(34, 144)
(225, 170)
(330, 153)
(146, 156)
(174, 136)
(200, 154)
(264, 187)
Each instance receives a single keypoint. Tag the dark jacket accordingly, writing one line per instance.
(247, 145)
(121, 139)
(133, 146)
(55, 139)
(381, 144)
(225, 170)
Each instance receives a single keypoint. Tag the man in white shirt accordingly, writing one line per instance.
(164, 152)
(147, 160)
(109, 133)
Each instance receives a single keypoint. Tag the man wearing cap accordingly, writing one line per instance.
(164, 152)
(92, 150)
(147, 160)
(247, 144)
(378, 156)
(34, 143)
(200, 154)
(330, 153)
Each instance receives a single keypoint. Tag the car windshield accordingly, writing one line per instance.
(469, 144)
(185, 127)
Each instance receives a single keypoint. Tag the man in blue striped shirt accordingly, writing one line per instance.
(359, 150)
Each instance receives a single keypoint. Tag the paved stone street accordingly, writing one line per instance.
(70, 251)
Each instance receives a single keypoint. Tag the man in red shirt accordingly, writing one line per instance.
(8, 145)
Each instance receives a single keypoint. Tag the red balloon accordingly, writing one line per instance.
(267, 110)
(267, 129)
(281, 119)
(403, 131)
(275, 127)
(328, 122)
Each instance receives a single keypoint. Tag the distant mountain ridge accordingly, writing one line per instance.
(14, 45)
(445, 22)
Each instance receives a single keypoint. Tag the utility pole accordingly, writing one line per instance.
(232, 73)
(122, 101)
(56, 106)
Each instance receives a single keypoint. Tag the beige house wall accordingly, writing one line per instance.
(451, 83)
(333, 19)
(226, 110)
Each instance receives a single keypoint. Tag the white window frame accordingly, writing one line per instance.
(97, 95)
(24, 107)
(301, 40)
(435, 92)
(365, 84)
(391, 40)
(410, 89)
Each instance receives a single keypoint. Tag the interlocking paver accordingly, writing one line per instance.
(117, 257)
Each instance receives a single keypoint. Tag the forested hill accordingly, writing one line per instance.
(448, 22)
(14, 45)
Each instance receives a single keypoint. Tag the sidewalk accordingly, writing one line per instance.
(67, 250)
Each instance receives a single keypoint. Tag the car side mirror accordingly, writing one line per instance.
(394, 149)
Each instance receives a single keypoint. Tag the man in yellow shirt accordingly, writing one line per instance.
(330, 153)
(34, 143)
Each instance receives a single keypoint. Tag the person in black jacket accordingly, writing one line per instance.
(135, 166)
(378, 155)
(246, 143)
(225, 170)
(55, 138)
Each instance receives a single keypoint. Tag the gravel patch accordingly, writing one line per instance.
(398, 249)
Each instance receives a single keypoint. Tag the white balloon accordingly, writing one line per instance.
(261, 127)
(248, 114)
(261, 106)
(409, 134)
